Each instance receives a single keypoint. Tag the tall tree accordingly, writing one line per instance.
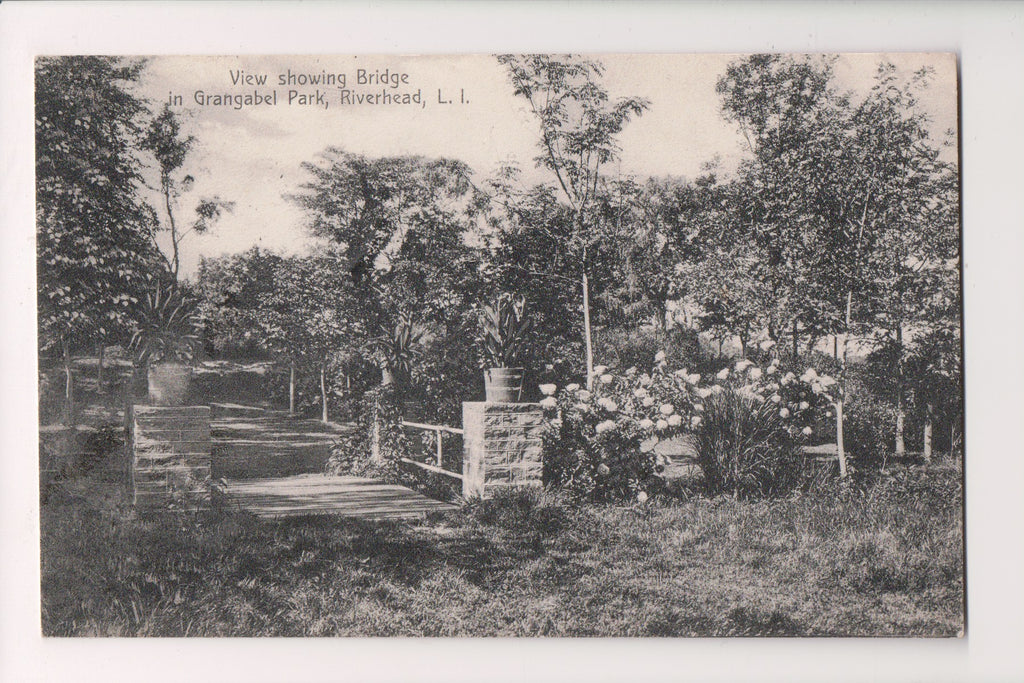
(165, 140)
(578, 130)
(400, 225)
(93, 230)
(838, 183)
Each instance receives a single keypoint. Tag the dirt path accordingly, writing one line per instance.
(253, 443)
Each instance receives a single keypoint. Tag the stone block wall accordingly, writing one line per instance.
(170, 455)
(501, 447)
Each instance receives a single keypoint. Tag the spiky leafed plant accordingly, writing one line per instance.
(396, 349)
(504, 331)
(165, 327)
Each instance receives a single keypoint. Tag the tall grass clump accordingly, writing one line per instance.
(744, 448)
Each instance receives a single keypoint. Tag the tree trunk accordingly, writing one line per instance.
(835, 347)
(901, 444)
(323, 389)
(840, 446)
(796, 339)
(166, 183)
(586, 329)
(69, 386)
(99, 367)
(928, 416)
(291, 388)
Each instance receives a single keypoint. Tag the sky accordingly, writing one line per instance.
(252, 155)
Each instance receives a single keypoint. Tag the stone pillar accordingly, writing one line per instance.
(170, 455)
(501, 447)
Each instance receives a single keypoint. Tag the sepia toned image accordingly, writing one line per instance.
(500, 345)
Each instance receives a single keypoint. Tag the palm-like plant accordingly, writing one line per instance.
(396, 348)
(504, 331)
(165, 327)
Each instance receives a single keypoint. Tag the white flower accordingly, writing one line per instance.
(680, 373)
(698, 407)
(659, 357)
(547, 389)
(776, 398)
(787, 378)
(809, 374)
(641, 497)
(603, 469)
(600, 369)
(743, 365)
(817, 388)
(723, 373)
(583, 395)
(704, 392)
(772, 369)
(646, 424)
(717, 389)
(661, 425)
(608, 404)
(766, 344)
(675, 420)
(828, 414)
(572, 387)
(667, 409)
(695, 421)
(647, 402)
(784, 412)
(640, 392)
(807, 431)
(693, 379)
(826, 381)
(755, 373)
(631, 371)
(604, 426)
(606, 379)
(804, 405)
(548, 403)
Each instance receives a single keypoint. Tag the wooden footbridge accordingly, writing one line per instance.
(273, 464)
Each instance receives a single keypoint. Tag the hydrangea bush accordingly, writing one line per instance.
(592, 438)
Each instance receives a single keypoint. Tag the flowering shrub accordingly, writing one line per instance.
(592, 437)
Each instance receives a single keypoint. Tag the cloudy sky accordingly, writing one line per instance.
(252, 155)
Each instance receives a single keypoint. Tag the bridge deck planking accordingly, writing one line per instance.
(316, 494)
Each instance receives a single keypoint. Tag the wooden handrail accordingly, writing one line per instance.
(439, 428)
(440, 444)
(432, 468)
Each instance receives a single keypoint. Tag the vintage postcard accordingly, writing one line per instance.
(500, 345)
(510, 342)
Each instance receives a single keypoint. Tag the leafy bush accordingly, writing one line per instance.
(637, 346)
(744, 447)
(379, 419)
(867, 431)
(523, 510)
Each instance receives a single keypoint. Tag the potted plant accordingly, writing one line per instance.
(504, 328)
(166, 343)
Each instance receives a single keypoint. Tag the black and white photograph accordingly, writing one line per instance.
(629, 356)
(493, 346)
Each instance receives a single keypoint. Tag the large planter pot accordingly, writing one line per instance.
(168, 383)
(503, 385)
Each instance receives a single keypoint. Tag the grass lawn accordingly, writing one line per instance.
(882, 560)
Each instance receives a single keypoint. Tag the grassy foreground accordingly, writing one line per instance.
(882, 561)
